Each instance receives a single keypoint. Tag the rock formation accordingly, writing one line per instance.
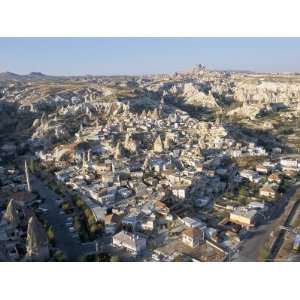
(158, 145)
(118, 151)
(194, 96)
(143, 114)
(11, 215)
(130, 143)
(37, 241)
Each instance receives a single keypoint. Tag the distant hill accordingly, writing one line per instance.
(9, 76)
(38, 76)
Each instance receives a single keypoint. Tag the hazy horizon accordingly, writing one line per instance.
(145, 56)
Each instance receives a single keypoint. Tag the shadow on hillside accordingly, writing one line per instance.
(261, 137)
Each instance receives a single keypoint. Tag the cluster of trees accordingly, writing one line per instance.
(86, 224)
(246, 190)
(93, 228)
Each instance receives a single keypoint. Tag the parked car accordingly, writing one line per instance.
(75, 236)
(42, 210)
(71, 229)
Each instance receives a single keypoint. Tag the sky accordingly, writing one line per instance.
(137, 56)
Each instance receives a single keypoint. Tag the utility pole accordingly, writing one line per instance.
(27, 177)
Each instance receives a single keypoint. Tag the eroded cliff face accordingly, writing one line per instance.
(267, 92)
(194, 96)
(47, 112)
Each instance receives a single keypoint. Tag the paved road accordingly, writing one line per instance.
(278, 243)
(64, 240)
(250, 247)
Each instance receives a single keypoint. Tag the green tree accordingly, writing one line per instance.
(87, 213)
(32, 166)
(50, 233)
(79, 203)
(93, 228)
(77, 224)
(178, 258)
(65, 206)
(91, 221)
(114, 259)
(59, 256)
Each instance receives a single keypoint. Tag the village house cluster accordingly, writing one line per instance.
(163, 163)
(144, 174)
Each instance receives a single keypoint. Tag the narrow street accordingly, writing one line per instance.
(251, 247)
(64, 240)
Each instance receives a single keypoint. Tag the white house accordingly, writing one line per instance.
(250, 175)
(132, 242)
(290, 164)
